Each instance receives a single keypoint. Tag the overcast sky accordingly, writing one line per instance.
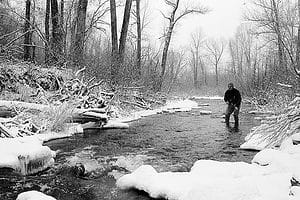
(221, 21)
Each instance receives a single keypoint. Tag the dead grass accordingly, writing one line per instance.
(55, 117)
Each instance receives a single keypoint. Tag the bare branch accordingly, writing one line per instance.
(191, 11)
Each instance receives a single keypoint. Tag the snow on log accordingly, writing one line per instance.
(25, 155)
(34, 195)
(41, 107)
(275, 129)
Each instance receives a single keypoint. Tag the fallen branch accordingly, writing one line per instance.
(5, 131)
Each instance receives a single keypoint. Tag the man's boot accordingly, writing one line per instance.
(236, 121)
(227, 120)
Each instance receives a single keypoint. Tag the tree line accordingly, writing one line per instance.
(77, 33)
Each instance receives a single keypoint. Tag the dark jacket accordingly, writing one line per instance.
(233, 97)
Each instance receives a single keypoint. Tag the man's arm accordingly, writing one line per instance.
(226, 97)
(238, 99)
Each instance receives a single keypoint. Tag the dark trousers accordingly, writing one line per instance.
(231, 109)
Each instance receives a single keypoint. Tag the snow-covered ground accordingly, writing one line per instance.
(268, 177)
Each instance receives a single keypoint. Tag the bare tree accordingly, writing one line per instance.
(56, 30)
(297, 66)
(78, 57)
(113, 27)
(175, 67)
(197, 41)
(124, 29)
(267, 15)
(215, 50)
(47, 30)
(118, 56)
(139, 37)
(27, 31)
(173, 19)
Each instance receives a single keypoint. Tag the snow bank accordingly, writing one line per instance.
(208, 97)
(179, 106)
(296, 137)
(268, 177)
(280, 161)
(25, 155)
(170, 107)
(210, 180)
(255, 143)
(34, 195)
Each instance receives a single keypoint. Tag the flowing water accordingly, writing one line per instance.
(168, 142)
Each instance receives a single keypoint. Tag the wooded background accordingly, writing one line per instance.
(262, 59)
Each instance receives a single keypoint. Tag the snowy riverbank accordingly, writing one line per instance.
(272, 175)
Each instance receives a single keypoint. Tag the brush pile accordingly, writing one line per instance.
(36, 99)
(274, 129)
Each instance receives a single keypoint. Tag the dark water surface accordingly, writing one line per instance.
(168, 142)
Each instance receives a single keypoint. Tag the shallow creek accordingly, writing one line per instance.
(168, 142)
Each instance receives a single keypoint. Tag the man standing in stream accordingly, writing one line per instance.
(233, 100)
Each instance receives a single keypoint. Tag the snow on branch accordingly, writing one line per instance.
(285, 85)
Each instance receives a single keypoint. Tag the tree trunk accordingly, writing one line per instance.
(139, 38)
(217, 74)
(167, 44)
(56, 32)
(62, 19)
(124, 30)
(165, 53)
(47, 32)
(297, 68)
(27, 37)
(114, 41)
(62, 7)
(203, 72)
(282, 65)
(78, 58)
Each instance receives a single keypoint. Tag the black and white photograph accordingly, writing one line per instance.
(149, 99)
